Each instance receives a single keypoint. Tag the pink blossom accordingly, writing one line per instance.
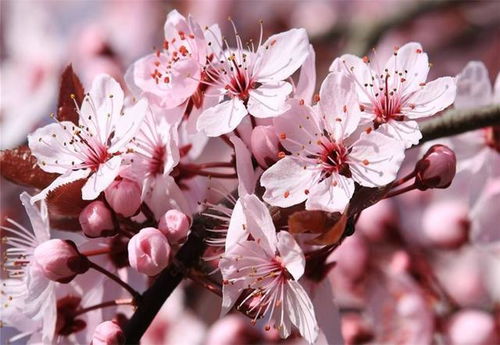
(253, 82)
(437, 168)
(124, 196)
(269, 266)
(326, 155)
(471, 327)
(395, 94)
(92, 149)
(173, 74)
(265, 145)
(108, 333)
(174, 225)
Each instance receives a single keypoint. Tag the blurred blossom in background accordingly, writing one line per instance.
(380, 298)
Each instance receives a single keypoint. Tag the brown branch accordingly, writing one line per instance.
(456, 121)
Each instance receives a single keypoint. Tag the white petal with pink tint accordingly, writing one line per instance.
(287, 182)
(101, 179)
(244, 167)
(222, 118)
(412, 59)
(281, 55)
(291, 254)
(473, 86)
(268, 100)
(377, 159)
(331, 195)
(407, 132)
(432, 98)
(307, 78)
(68, 177)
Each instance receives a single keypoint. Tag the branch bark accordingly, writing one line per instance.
(456, 121)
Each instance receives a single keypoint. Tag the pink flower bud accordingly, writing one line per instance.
(108, 333)
(96, 220)
(149, 251)
(124, 196)
(436, 169)
(446, 224)
(60, 260)
(472, 327)
(265, 145)
(174, 225)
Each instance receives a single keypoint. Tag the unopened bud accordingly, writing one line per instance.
(108, 333)
(265, 145)
(436, 169)
(446, 224)
(472, 327)
(60, 260)
(174, 225)
(149, 251)
(96, 220)
(124, 196)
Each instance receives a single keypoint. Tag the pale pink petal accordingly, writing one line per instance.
(68, 177)
(101, 179)
(433, 97)
(236, 231)
(376, 159)
(307, 78)
(473, 86)
(47, 145)
(269, 99)
(175, 22)
(164, 194)
(496, 90)
(100, 110)
(298, 128)
(287, 183)
(291, 254)
(259, 222)
(213, 37)
(406, 132)
(411, 61)
(331, 195)
(244, 167)
(129, 124)
(339, 104)
(301, 312)
(281, 55)
(39, 219)
(358, 70)
(222, 118)
(327, 313)
(484, 216)
(39, 289)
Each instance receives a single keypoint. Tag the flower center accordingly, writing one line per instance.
(387, 106)
(157, 162)
(333, 159)
(96, 155)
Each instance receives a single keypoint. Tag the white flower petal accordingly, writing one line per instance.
(47, 145)
(410, 60)
(39, 219)
(236, 231)
(101, 179)
(222, 118)
(244, 167)
(287, 183)
(128, 126)
(376, 159)
(339, 104)
(291, 254)
(406, 132)
(307, 78)
(431, 98)
(269, 99)
(281, 55)
(331, 195)
(259, 223)
(473, 86)
(301, 311)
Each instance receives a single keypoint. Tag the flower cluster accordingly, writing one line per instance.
(134, 169)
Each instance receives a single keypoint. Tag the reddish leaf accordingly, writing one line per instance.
(67, 200)
(329, 226)
(70, 91)
(19, 166)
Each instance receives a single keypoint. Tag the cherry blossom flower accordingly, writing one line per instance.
(477, 151)
(172, 74)
(252, 81)
(394, 95)
(326, 155)
(266, 271)
(92, 149)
